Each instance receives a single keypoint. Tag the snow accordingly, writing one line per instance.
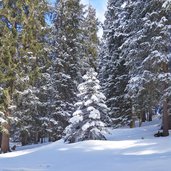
(94, 98)
(12, 107)
(102, 105)
(88, 102)
(124, 5)
(90, 108)
(78, 104)
(166, 4)
(86, 126)
(94, 114)
(2, 113)
(77, 112)
(76, 119)
(25, 79)
(2, 121)
(126, 150)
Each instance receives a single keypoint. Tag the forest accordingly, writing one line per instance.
(60, 80)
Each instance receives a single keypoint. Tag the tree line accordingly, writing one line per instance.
(134, 61)
(45, 51)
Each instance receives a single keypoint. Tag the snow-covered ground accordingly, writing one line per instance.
(126, 150)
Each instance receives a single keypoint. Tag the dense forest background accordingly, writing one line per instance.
(50, 57)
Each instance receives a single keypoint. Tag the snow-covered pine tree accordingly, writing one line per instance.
(134, 49)
(146, 52)
(157, 62)
(68, 40)
(90, 40)
(26, 129)
(91, 118)
(52, 123)
(35, 121)
(67, 45)
(112, 70)
(60, 107)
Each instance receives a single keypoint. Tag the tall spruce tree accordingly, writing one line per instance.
(66, 57)
(146, 51)
(134, 50)
(159, 23)
(21, 23)
(113, 72)
(90, 39)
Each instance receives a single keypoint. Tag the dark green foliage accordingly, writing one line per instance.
(113, 71)
(21, 37)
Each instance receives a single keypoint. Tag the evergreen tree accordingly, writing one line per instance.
(20, 36)
(145, 51)
(90, 40)
(90, 119)
(134, 50)
(8, 65)
(158, 22)
(28, 118)
(113, 72)
(66, 58)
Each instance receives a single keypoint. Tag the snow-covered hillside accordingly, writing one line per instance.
(126, 150)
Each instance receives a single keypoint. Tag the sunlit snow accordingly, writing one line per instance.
(126, 150)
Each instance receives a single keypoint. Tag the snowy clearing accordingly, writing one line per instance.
(126, 150)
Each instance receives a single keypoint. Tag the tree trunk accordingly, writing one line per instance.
(165, 106)
(5, 141)
(143, 117)
(133, 118)
(0, 138)
(132, 124)
(165, 119)
(36, 138)
(24, 137)
(169, 121)
(150, 115)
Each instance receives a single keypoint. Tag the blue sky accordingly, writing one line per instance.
(99, 5)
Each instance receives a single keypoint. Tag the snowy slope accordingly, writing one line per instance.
(126, 150)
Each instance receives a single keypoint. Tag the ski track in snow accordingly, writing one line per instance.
(126, 150)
